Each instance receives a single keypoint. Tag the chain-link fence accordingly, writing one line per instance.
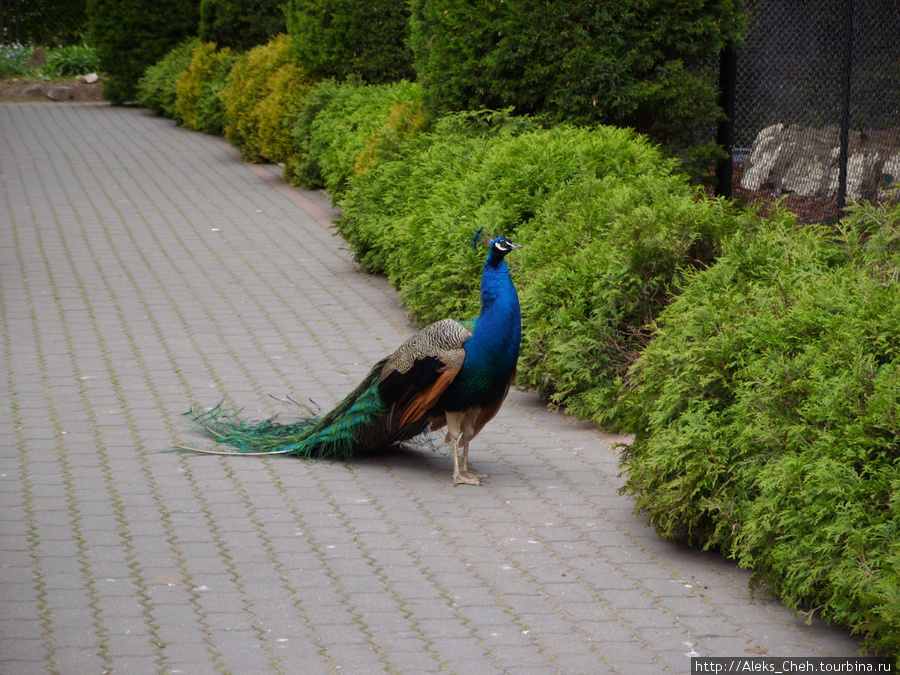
(816, 95)
(47, 23)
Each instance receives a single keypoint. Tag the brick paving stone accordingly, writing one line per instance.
(146, 269)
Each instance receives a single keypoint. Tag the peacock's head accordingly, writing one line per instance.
(503, 245)
(499, 247)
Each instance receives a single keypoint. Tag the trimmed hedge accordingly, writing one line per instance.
(609, 227)
(411, 170)
(344, 38)
(350, 120)
(157, 88)
(264, 88)
(198, 87)
(646, 65)
(767, 416)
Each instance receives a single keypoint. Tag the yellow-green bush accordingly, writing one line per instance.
(264, 84)
(405, 120)
(197, 90)
(156, 89)
(288, 89)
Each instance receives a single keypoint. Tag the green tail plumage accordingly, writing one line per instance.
(352, 426)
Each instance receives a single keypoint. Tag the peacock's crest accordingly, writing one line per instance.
(481, 239)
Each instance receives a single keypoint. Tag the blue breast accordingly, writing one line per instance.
(493, 349)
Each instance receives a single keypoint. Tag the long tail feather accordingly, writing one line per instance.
(346, 430)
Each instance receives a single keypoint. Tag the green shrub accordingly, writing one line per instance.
(412, 169)
(198, 88)
(240, 24)
(302, 167)
(157, 88)
(72, 61)
(608, 229)
(342, 38)
(350, 123)
(644, 65)
(605, 255)
(256, 122)
(766, 414)
(289, 88)
(131, 36)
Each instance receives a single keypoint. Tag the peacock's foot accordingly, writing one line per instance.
(468, 478)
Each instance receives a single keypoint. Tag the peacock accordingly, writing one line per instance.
(451, 373)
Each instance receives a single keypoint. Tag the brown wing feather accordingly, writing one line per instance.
(414, 377)
(424, 400)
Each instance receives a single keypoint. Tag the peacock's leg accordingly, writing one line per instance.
(456, 434)
(468, 432)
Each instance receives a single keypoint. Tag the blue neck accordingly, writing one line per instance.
(495, 341)
(493, 349)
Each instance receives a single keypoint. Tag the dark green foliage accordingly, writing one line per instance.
(767, 416)
(197, 91)
(636, 64)
(131, 35)
(240, 24)
(343, 38)
(50, 23)
(157, 88)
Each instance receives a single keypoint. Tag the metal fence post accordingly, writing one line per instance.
(725, 133)
(846, 89)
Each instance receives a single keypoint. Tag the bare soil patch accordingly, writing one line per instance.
(35, 91)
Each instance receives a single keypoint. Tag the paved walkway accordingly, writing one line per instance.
(145, 269)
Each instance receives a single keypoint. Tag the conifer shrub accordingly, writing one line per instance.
(766, 414)
(381, 201)
(289, 87)
(240, 25)
(198, 87)
(130, 36)
(342, 38)
(157, 88)
(264, 87)
(609, 228)
(644, 65)
(302, 167)
(352, 123)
